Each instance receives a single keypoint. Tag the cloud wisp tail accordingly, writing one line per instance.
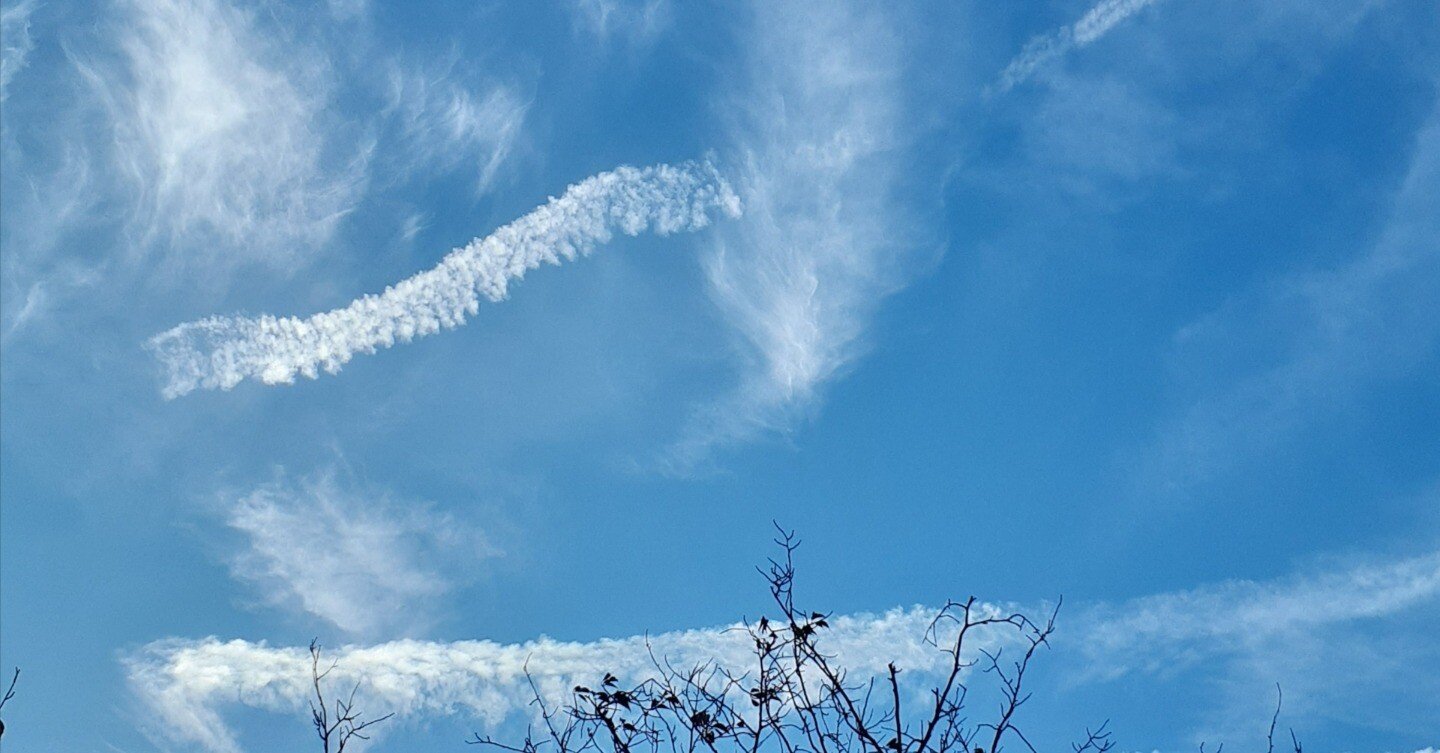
(220, 352)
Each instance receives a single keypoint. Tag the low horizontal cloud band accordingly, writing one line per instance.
(187, 684)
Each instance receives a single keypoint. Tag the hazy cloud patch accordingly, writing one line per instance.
(215, 122)
(446, 124)
(359, 559)
(817, 127)
(15, 41)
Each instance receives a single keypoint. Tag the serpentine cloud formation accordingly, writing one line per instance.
(220, 352)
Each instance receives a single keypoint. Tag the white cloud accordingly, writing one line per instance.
(368, 564)
(40, 213)
(15, 41)
(187, 684)
(220, 131)
(816, 129)
(1155, 633)
(349, 9)
(1100, 139)
(445, 125)
(1347, 644)
(1104, 17)
(634, 20)
(1041, 50)
(39, 297)
(1336, 331)
(220, 352)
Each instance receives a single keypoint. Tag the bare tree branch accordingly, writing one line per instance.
(795, 697)
(338, 726)
(9, 693)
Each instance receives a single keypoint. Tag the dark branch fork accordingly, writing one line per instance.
(9, 693)
(796, 697)
(792, 696)
(338, 726)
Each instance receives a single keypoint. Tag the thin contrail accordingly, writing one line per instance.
(220, 352)
(1045, 48)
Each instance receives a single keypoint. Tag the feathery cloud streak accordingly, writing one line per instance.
(1349, 645)
(220, 352)
(632, 20)
(1158, 632)
(186, 684)
(816, 133)
(354, 558)
(1345, 328)
(15, 41)
(1042, 49)
(221, 134)
(444, 124)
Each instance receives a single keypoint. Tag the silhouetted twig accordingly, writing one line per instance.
(337, 727)
(9, 693)
(795, 697)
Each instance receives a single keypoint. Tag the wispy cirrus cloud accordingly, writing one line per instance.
(1336, 331)
(220, 352)
(39, 297)
(346, 10)
(633, 20)
(357, 558)
(187, 685)
(219, 134)
(445, 124)
(1155, 633)
(1330, 637)
(40, 213)
(1043, 49)
(816, 129)
(15, 41)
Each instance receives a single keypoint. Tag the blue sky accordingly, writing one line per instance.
(1136, 303)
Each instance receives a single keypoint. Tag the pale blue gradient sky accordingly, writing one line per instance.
(1154, 327)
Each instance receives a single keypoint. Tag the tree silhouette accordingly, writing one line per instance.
(9, 693)
(797, 698)
(793, 697)
(338, 725)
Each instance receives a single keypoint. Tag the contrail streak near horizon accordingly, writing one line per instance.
(220, 352)
(188, 685)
